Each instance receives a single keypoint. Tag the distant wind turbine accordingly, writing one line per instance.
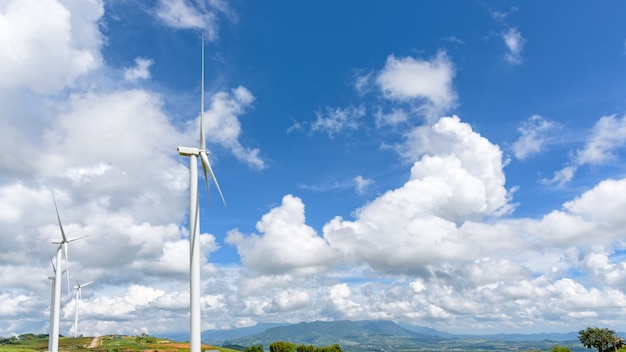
(194, 222)
(79, 290)
(61, 246)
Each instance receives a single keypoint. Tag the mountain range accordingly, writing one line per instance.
(383, 335)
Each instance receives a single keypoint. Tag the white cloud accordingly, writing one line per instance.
(607, 136)
(140, 71)
(289, 300)
(222, 126)
(298, 247)
(185, 15)
(36, 35)
(11, 305)
(334, 121)
(515, 44)
(561, 177)
(458, 179)
(533, 136)
(395, 117)
(362, 83)
(425, 83)
(362, 184)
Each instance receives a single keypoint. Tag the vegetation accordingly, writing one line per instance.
(370, 336)
(605, 340)
(110, 343)
(560, 349)
(282, 346)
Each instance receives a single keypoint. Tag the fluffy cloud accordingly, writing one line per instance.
(459, 178)
(59, 34)
(609, 133)
(222, 125)
(295, 247)
(184, 14)
(426, 83)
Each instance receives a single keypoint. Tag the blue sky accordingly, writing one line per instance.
(457, 165)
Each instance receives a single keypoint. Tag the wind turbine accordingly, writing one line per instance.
(61, 245)
(79, 290)
(194, 222)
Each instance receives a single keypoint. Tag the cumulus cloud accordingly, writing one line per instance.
(428, 84)
(36, 35)
(298, 248)
(458, 178)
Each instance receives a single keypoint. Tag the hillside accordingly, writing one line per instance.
(36, 343)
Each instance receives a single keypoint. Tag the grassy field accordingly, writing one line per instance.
(115, 343)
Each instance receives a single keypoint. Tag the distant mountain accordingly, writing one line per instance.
(382, 335)
(571, 336)
(219, 337)
(345, 333)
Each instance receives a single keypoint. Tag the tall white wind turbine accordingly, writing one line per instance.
(61, 245)
(79, 290)
(194, 222)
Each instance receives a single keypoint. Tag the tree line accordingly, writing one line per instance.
(283, 346)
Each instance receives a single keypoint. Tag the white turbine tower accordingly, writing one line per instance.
(79, 290)
(53, 279)
(61, 246)
(194, 222)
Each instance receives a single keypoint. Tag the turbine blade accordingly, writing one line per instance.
(58, 216)
(193, 226)
(85, 284)
(72, 239)
(52, 263)
(206, 166)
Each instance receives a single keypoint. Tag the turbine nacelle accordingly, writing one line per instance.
(62, 241)
(187, 151)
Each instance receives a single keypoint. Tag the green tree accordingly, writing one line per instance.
(305, 348)
(282, 346)
(333, 348)
(603, 339)
(255, 348)
(560, 349)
